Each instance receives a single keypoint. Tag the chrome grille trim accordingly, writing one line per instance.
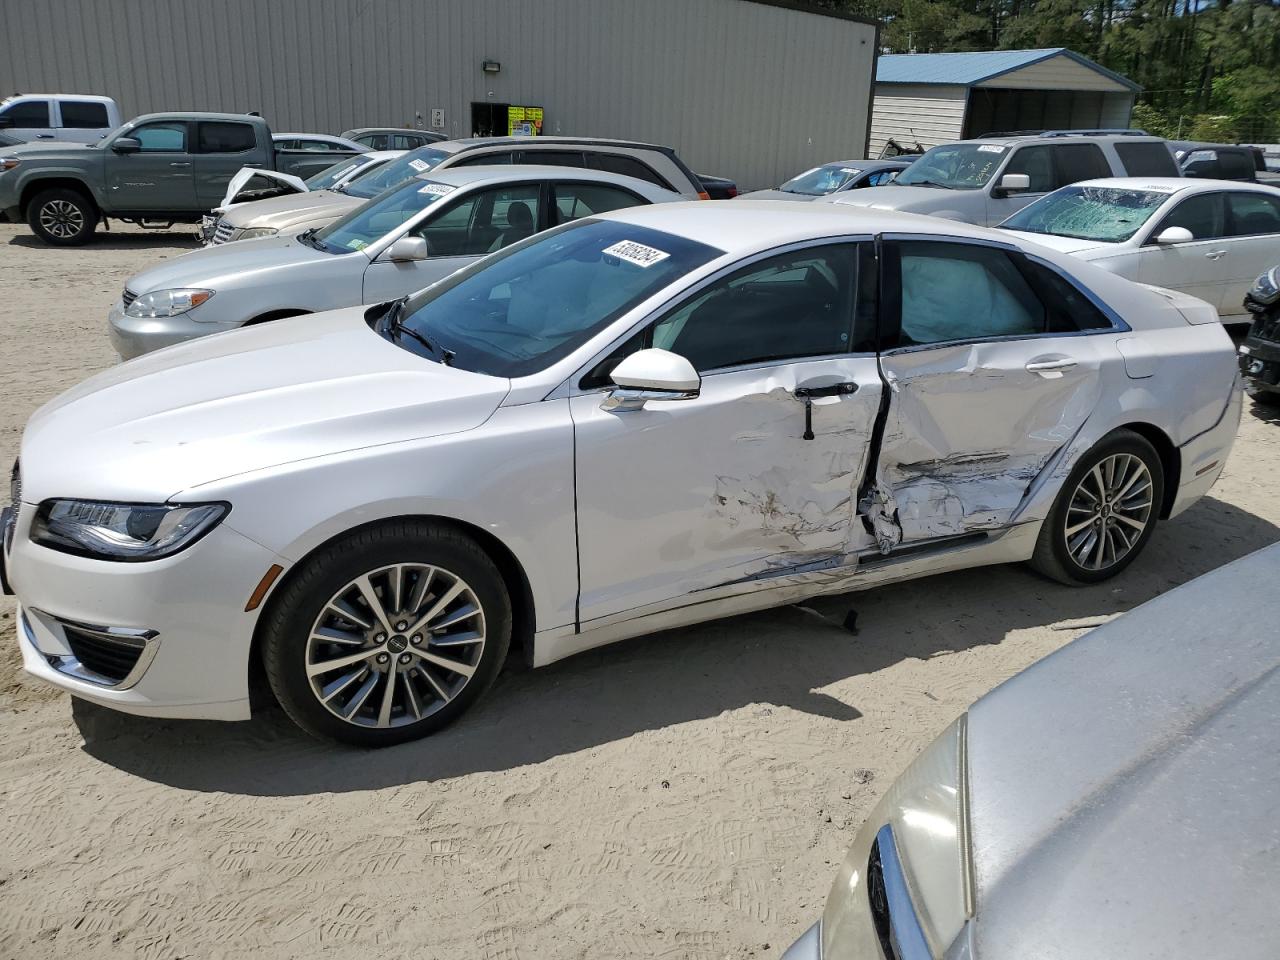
(222, 232)
(128, 297)
(146, 642)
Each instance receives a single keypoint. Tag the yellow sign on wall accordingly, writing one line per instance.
(524, 121)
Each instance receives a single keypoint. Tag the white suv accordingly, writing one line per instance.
(987, 180)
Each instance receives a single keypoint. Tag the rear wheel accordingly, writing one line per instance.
(62, 217)
(388, 635)
(1105, 512)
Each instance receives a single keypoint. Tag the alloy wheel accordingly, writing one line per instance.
(1109, 511)
(395, 645)
(62, 219)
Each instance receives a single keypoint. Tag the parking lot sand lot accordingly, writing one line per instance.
(682, 795)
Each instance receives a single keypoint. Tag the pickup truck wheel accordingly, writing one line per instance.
(63, 218)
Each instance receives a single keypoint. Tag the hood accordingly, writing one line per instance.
(775, 195)
(210, 266)
(291, 210)
(1085, 249)
(48, 149)
(1122, 790)
(285, 181)
(906, 198)
(246, 400)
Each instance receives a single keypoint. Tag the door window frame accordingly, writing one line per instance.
(553, 185)
(1229, 216)
(571, 385)
(188, 137)
(891, 298)
(1158, 228)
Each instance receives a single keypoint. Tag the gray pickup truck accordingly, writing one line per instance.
(156, 170)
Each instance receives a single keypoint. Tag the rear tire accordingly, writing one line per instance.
(62, 217)
(1105, 512)
(387, 635)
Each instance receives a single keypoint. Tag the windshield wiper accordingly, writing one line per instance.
(924, 183)
(309, 238)
(396, 327)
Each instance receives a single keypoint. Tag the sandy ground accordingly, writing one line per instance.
(682, 795)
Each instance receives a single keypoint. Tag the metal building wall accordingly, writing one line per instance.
(749, 90)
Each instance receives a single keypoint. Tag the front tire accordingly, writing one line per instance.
(62, 218)
(387, 635)
(1104, 514)
(1266, 398)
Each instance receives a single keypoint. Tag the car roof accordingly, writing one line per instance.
(380, 155)
(360, 130)
(466, 143)
(1062, 137)
(1172, 185)
(204, 115)
(866, 164)
(502, 172)
(746, 225)
(94, 97)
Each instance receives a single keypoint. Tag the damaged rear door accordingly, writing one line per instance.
(757, 476)
(989, 373)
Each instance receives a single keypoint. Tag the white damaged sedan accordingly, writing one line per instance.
(629, 423)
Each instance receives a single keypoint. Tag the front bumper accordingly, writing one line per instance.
(808, 946)
(132, 337)
(186, 612)
(1260, 364)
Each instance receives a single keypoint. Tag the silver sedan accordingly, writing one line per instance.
(400, 241)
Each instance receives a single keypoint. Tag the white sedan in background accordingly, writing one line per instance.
(400, 241)
(628, 423)
(1207, 238)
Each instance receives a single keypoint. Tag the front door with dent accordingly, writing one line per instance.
(989, 379)
(683, 499)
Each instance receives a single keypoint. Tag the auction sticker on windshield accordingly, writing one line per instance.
(636, 253)
(990, 148)
(439, 189)
(420, 165)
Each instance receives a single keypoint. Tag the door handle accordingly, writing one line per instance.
(44, 136)
(1216, 254)
(181, 163)
(807, 394)
(254, 165)
(1050, 367)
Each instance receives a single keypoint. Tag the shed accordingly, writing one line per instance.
(933, 98)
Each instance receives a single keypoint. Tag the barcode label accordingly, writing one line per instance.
(636, 253)
(439, 189)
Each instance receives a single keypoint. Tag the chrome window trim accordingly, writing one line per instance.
(70, 666)
(569, 386)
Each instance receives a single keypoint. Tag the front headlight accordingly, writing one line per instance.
(130, 532)
(908, 876)
(166, 303)
(1266, 289)
(252, 232)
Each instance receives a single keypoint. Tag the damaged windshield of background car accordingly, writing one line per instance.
(957, 166)
(523, 309)
(1104, 214)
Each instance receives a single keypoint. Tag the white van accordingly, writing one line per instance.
(58, 116)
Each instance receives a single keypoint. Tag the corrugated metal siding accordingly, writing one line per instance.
(1056, 73)
(928, 113)
(740, 89)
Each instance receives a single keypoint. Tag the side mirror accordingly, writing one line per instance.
(1171, 235)
(652, 375)
(126, 145)
(409, 248)
(1015, 182)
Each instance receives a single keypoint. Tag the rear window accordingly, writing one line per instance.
(626, 166)
(1236, 164)
(1080, 161)
(1147, 159)
(223, 137)
(555, 158)
(83, 113)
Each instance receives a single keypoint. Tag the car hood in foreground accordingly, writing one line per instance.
(291, 209)
(228, 404)
(240, 263)
(1122, 791)
(906, 198)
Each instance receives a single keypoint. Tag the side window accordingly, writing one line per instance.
(483, 159)
(1067, 308)
(627, 166)
(1036, 163)
(878, 179)
(1203, 215)
(376, 141)
(402, 141)
(798, 304)
(1147, 159)
(957, 292)
(485, 221)
(1236, 165)
(1253, 214)
(1202, 163)
(554, 158)
(318, 146)
(576, 200)
(83, 114)
(223, 137)
(1079, 161)
(31, 113)
(166, 136)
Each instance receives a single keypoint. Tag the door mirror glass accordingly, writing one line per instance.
(1015, 182)
(652, 374)
(1174, 235)
(126, 145)
(409, 248)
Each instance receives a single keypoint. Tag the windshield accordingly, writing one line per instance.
(523, 309)
(374, 220)
(820, 181)
(1105, 214)
(956, 166)
(327, 177)
(395, 173)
